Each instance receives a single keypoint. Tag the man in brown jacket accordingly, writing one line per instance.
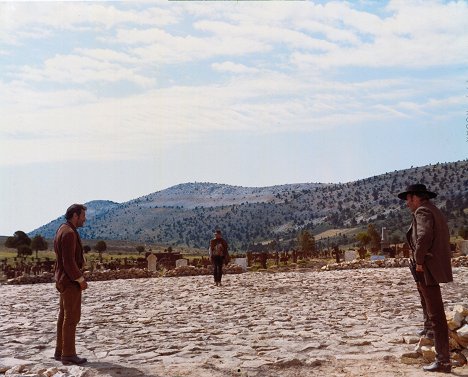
(429, 240)
(69, 282)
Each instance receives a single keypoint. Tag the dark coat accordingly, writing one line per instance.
(69, 254)
(429, 239)
(222, 241)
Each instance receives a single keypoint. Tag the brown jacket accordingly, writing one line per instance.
(429, 238)
(68, 253)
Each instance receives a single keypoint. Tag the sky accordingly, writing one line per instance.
(116, 100)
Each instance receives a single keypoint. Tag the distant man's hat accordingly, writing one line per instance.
(418, 188)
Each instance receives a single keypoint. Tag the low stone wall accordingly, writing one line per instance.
(385, 263)
(137, 273)
(457, 320)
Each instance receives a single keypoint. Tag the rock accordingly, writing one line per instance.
(423, 342)
(458, 359)
(462, 334)
(461, 309)
(51, 372)
(411, 339)
(17, 369)
(411, 358)
(453, 344)
(454, 319)
(428, 353)
(7, 363)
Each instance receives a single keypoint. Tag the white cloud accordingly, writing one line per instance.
(159, 46)
(35, 19)
(81, 69)
(251, 43)
(233, 68)
(414, 36)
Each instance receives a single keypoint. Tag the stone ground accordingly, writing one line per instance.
(292, 324)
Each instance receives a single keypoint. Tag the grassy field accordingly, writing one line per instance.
(115, 250)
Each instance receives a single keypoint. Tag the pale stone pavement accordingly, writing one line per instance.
(334, 323)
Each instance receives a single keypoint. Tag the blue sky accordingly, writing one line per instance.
(115, 100)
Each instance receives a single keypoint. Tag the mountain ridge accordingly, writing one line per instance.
(186, 214)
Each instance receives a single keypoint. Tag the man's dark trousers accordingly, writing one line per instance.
(435, 311)
(428, 326)
(218, 268)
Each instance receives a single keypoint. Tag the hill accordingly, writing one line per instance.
(187, 214)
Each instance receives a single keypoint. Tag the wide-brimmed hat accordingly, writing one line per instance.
(418, 188)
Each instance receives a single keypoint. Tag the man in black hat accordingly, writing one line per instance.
(429, 240)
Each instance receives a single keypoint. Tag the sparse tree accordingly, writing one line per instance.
(39, 243)
(19, 241)
(140, 249)
(363, 238)
(374, 236)
(307, 242)
(24, 250)
(86, 249)
(100, 247)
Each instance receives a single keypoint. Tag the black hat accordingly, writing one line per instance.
(418, 188)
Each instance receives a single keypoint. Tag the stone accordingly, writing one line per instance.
(411, 355)
(428, 353)
(453, 344)
(423, 341)
(462, 334)
(410, 358)
(458, 359)
(181, 263)
(464, 247)
(152, 262)
(17, 369)
(7, 363)
(411, 339)
(349, 255)
(454, 319)
(465, 353)
(242, 262)
(461, 309)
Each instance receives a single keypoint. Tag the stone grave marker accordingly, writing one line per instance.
(151, 262)
(464, 247)
(349, 255)
(181, 263)
(377, 257)
(241, 262)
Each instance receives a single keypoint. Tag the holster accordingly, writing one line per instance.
(412, 267)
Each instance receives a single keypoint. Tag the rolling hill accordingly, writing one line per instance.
(186, 214)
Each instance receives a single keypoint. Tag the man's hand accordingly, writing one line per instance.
(419, 268)
(83, 285)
